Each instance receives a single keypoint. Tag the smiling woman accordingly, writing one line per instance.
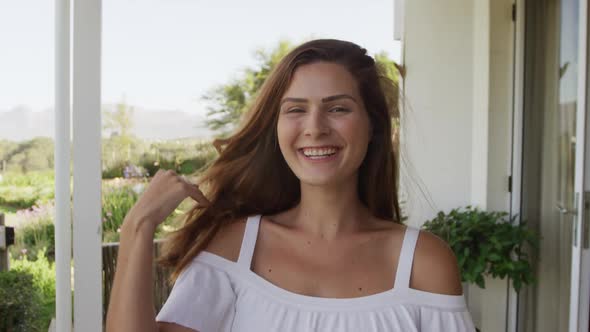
(323, 137)
(298, 226)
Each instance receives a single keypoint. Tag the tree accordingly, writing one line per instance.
(228, 102)
(388, 66)
(117, 125)
(7, 149)
(119, 121)
(32, 155)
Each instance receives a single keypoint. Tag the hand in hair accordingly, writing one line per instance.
(131, 303)
(164, 193)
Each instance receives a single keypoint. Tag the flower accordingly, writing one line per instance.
(132, 171)
(138, 188)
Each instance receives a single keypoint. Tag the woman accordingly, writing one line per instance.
(300, 229)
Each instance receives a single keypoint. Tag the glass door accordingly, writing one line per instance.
(553, 160)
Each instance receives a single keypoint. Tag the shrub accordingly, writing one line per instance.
(23, 190)
(19, 302)
(193, 165)
(116, 202)
(30, 179)
(18, 197)
(112, 172)
(183, 156)
(34, 230)
(43, 274)
(32, 155)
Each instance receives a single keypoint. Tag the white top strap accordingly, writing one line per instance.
(406, 257)
(249, 241)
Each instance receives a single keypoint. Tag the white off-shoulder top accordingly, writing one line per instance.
(215, 294)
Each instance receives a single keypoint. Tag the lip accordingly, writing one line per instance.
(320, 147)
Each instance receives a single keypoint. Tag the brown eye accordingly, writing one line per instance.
(295, 110)
(339, 110)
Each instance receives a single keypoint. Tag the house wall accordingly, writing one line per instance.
(456, 135)
(437, 115)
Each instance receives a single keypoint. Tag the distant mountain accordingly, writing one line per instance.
(22, 123)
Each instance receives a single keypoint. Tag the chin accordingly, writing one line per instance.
(319, 181)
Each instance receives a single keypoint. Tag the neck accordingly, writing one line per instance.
(326, 212)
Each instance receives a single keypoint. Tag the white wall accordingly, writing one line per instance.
(437, 118)
(457, 124)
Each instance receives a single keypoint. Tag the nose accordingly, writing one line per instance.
(316, 124)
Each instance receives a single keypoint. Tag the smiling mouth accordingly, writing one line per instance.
(319, 152)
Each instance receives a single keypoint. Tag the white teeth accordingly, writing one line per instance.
(312, 152)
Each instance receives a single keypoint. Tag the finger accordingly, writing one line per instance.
(158, 173)
(195, 193)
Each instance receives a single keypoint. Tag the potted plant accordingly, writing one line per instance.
(486, 244)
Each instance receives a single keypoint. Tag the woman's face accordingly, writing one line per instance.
(323, 127)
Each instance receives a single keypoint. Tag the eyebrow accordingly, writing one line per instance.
(324, 100)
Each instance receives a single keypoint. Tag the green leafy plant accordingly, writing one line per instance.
(43, 274)
(116, 202)
(29, 179)
(22, 191)
(185, 156)
(34, 230)
(486, 243)
(27, 156)
(19, 302)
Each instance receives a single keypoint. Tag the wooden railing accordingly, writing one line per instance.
(160, 275)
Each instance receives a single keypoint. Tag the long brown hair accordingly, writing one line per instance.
(251, 177)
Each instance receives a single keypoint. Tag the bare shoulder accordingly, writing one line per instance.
(435, 266)
(228, 240)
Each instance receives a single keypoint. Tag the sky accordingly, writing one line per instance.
(165, 54)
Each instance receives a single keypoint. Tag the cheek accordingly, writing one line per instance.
(357, 131)
(286, 133)
(357, 134)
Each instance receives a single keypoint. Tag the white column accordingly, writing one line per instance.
(87, 170)
(63, 222)
(517, 144)
(481, 103)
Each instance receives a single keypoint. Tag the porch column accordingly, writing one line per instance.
(63, 220)
(87, 166)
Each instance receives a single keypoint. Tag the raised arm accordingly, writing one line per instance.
(131, 303)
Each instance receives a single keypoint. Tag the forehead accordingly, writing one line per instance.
(321, 79)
